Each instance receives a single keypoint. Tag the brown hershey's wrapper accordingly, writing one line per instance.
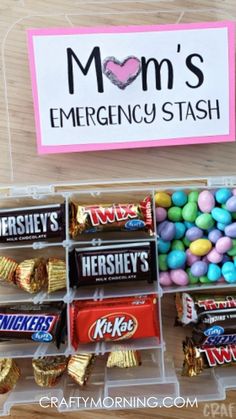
(114, 263)
(32, 224)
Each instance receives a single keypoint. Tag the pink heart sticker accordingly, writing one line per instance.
(122, 73)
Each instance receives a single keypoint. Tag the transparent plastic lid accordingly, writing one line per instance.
(20, 162)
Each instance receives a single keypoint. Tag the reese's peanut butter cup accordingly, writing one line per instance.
(79, 367)
(8, 268)
(31, 275)
(9, 374)
(56, 269)
(48, 370)
(124, 359)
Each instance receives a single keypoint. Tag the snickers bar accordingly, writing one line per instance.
(197, 358)
(42, 323)
(114, 319)
(110, 264)
(33, 223)
(209, 309)
(111, 217)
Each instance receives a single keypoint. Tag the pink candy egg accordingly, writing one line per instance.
(214, 257)
(191, 258)
(224, 244)
(234, 192)
(206, 201)
(161, 214)
(164, 279)
(179, 277)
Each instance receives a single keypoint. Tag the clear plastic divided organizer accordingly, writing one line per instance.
(118, 176)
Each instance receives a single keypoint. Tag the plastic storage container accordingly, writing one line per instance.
(29, 179)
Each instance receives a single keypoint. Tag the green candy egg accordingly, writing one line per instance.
(205, 280)
(186, 242)
(232, 251)
(192, 279)
(193, 196)
(204, 221)
(162, 262)
(175, 214)
(189, 212)
(178, 245)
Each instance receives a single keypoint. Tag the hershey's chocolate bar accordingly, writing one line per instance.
(33, 223)
(115, 263)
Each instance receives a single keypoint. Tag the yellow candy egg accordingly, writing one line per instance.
(200, 247)
(162, 199)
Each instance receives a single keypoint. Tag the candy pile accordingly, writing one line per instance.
(213, 330)
(32, 275)
(196, 236)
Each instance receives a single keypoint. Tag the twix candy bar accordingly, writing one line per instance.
(111, 217)
(114, 319)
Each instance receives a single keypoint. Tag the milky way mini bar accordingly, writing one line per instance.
(114, 263)
(33, 223)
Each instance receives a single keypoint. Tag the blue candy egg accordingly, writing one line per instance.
(179, 198)
(214, 272)
(221, 226)
(176, 259)
(179, 230)
(163, 246)
(221, 215)
(214, 235)
(222, 195)
(194, 233)
(188, 224)
(229, 272)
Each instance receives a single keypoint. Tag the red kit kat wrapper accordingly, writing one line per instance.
(114, 319)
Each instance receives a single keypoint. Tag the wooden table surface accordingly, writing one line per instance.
(20, 163)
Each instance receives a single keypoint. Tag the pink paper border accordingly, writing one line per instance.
(127, 29)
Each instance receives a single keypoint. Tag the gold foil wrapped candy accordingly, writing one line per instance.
(9, 374)
(48, 370)
(56, 269)
(8, 267)
(79, 367)
(31, 275)
(123, 359)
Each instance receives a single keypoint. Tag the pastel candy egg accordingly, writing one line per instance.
(179, 230)
(214, 257)
(186, 242)
(231, 204)
(214, 272)
(166, 230)
(204, 279)
(175, 214)
(179, 198)
(214, 235)
(221, 215)
(189, 212)
(229, 272)
(224, 244)
(204, 221)
(177, 245)
(199, 268)
(191, 258)
(176, 259)
(221, 226)
(161, 214)
(193, 196)
(192, 279)
(194, 233)
(230, 230)
(188, 224)
(179, 277)
(222, 195)
(234, 191)
(163, 246)
(206, 201)
(200, 247)
(164, 279)
(162, 262)
(163, 199)
(232, 252)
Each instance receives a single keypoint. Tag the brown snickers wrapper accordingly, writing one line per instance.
(79, 367)
(48, 370)
(56, 269)
(9, 374)
(124, 359)
(8, 268)
(31, 275)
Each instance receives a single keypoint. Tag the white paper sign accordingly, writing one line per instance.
(120, 87)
